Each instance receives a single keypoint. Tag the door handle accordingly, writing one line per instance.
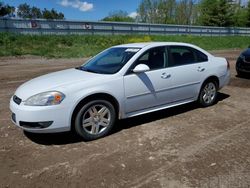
(200, 69)
(165, 75)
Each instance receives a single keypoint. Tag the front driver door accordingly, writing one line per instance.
(148, 89)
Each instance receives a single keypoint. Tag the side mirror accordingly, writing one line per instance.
(141, 68)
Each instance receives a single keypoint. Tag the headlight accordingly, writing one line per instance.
(45, 99)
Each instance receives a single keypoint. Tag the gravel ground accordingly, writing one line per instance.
(185, 146)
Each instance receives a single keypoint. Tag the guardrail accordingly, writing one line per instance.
(65, 27)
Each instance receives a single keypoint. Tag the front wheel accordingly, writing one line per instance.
(95, 119)
(208, 93)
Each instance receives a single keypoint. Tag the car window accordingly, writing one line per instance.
(155, 58)
(182, 55)
(201, 57)
(114, 57)
(109, 61)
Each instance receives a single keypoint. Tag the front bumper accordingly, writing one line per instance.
(40, 119)
(242, 66)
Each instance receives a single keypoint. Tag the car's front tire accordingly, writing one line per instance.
(95, 119)
(208, 93)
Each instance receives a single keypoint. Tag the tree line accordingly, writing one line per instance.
(223, 13)
(26, 11)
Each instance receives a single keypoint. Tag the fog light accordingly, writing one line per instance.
(33, 125)
(13, 117)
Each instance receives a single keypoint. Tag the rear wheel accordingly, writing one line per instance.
(208, 93)
(95, 119)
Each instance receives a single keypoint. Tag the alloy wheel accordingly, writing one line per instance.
(96, 119)
(209, 93)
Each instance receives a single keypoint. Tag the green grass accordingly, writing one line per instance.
(69, 46)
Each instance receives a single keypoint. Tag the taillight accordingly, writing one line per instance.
(228, 65)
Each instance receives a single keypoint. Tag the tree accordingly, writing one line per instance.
(216, 13)
(184, 12)
(208, 10)
(47, 14)
(118, 16)
(148, 11)
(167, 11)
(24, 11)
(56, 15)
(6, 10)
(225, 13)
(35, 13)
(52, 14)
(239, 17)
(248, 15)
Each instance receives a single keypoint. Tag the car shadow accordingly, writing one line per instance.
(53, 138)
(161, 114)
(70, 137)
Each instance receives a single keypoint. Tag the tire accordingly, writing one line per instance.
(208, 93)
(95, 119)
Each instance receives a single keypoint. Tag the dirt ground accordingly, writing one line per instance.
(186, 146)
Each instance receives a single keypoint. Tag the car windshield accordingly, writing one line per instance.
(109, 61)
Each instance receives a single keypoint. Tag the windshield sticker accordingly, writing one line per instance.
(132, 50)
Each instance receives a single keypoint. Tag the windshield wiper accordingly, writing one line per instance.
(87, 70)
(78, 68)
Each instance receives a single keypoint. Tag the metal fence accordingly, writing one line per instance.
(63, 27)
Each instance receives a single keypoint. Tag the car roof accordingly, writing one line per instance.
(149, 45)
(153, 44)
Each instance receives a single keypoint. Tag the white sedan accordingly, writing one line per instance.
(120, 82)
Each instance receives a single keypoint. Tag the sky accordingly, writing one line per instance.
(92, 10)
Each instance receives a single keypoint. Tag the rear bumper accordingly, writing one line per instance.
(40, 119)
(225, 79)
(242, 66)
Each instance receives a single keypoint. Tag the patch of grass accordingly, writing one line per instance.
(55, 46)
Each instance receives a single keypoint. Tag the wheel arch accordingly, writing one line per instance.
(211, 78)
(216, 80)
(103, 96)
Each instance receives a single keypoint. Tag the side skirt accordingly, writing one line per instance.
(156, 108)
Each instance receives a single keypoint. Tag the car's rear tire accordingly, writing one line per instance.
(208, 93)
(95, 119)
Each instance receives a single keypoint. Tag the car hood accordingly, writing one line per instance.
(52, 81)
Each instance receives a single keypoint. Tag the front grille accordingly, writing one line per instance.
(17, 100)
(245, 65)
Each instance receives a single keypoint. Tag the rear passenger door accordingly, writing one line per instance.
(187, 67)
